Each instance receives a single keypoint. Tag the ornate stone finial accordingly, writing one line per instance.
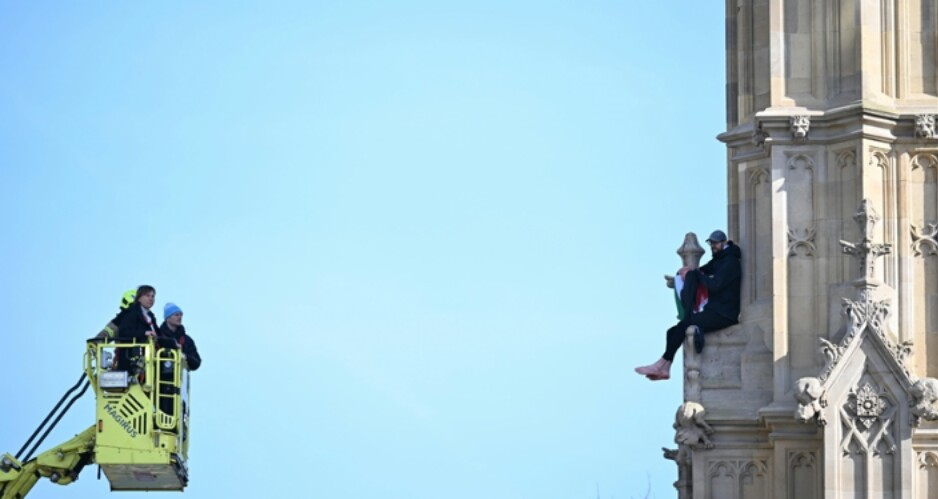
(925, 126)
(866, 313)
(810, 396)
(800, 126)
(865, 250)
(690, 251)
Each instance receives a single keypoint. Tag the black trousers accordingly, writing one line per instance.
(707, 320)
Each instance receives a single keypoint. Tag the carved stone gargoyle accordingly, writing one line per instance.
(800, 125)
(690, 427)
(810, 396)
(924, 394)
(691, 432)
(925, 126)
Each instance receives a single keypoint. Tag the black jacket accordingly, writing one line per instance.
(723, 276)
(133, 325)
(193, 360)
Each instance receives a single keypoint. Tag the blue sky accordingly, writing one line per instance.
(420, 244)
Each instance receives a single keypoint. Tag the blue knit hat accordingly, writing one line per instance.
(170, 309)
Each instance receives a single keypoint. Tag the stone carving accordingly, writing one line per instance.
(927, 459)
(924, 394)
(925, 127)
(872, 316)
(866, 404)
(924, 160)
(865, 250)
(832, 353)
(847, 159)
(802, 239)
(865, 313)
(691, 428)
(924, 239)
(803, 475)
(690, 252)
(903, 351)
(801, 161)
(691, 367)
(879, 159)
(759, 136)
(758, 175)
(684, 483)
(737, 478)
(810, 396)
(800, 125)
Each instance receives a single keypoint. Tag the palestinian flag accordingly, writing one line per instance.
(700, 301)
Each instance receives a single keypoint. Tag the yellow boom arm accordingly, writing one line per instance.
(60, 465)
(140, 437)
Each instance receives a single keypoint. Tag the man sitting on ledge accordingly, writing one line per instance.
(722, 277)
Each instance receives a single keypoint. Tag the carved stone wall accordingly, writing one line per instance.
(865, 438)
(804, 152)
(921, 254)
(822, 54)
(738, 479)
(800, 175)
(826, 387)
(926, 474)
(804, 474)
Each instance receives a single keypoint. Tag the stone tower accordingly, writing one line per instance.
(826, 388)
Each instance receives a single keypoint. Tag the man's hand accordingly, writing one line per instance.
(151, 334)
(683, 272)
(669, 281)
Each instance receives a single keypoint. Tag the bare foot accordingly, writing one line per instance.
(650, 369)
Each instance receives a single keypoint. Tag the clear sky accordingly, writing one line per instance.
(420, 244)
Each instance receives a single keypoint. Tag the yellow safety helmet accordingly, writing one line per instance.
(128, 299)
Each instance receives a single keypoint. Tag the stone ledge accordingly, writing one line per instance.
(733, 335)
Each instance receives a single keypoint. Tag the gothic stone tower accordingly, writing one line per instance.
(826, 389)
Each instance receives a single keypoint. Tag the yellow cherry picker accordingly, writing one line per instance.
(140, 436)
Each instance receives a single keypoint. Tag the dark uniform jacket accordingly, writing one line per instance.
(193, 360)
(723, 278)
(133, 324)
(133, 327)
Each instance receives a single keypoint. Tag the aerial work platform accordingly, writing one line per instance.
(140, 435)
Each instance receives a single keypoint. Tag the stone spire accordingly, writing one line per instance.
(831, 105)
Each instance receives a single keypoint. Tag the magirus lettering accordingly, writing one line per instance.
(121, 421)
